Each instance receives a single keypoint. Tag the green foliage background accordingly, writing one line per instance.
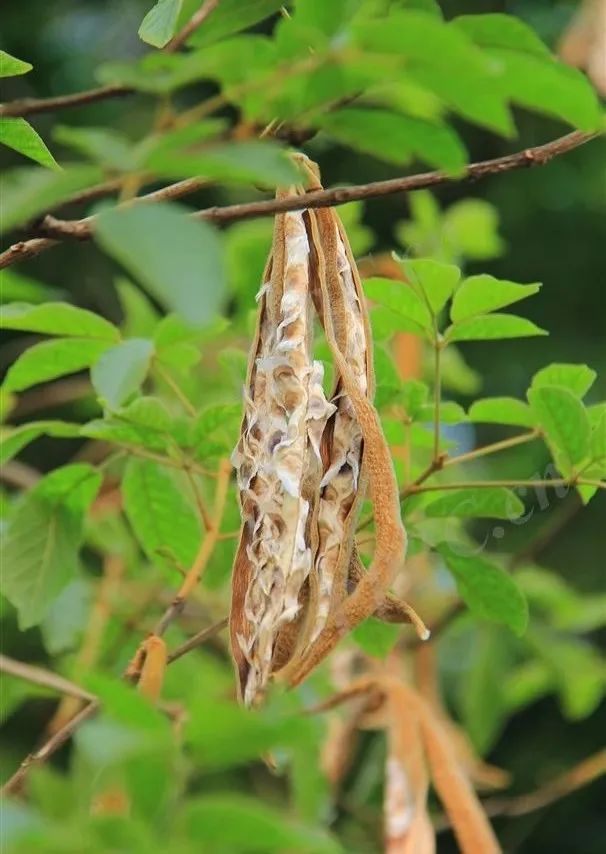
(533, 706)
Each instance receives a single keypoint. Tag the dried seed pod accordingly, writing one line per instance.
(285, 414)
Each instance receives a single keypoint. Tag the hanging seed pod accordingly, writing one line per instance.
(276, 459)
(302, 460)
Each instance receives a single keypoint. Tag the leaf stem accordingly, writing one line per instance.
(176, 389)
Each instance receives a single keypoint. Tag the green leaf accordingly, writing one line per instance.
(576, 378)
(502, 410)
(483, 293)
(19, 288)
(158, 511)
(29, 191)
(375, 637)
(231, 822)
(19, 135)
(40, 549)
(10, 66)
(565, 424)
(492, 327)
(232, 16)
(67, 617)
(57, 318)
(158, 26)
(496, 30)
(490, 503)
(233, 162)
(396, 138)
(434, 280)
(144, 423)
(139, 317)
(401, 298)
(107, 147)
(51, 359)
(549, 87)
(121, 370)
(177, 258)
(450, 412)
(13, 439)
(215, 430)
(487, 590)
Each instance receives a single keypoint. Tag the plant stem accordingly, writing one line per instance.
(487, 484)
(437, 393)
(198, 639)
(503, 445)
(177, 391)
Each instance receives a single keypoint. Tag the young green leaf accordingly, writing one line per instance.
(492, 327)
(57, 318)
(491, 503)
(488, 591)
(402, 299)
(232, 16)
(40, 549)
(576, 378)
(107, 147)
(51, 359)
(396, 138)
(158, 26)
(502, 410)
(67, 617)
(10, 66)
(121, 370)
(433, 280)
(19, 288)
(159, 511)
(375, 637)
(565, 424)
(177, 258)
(19, 135)
(13, 439)
(483, 293)
(496, 30)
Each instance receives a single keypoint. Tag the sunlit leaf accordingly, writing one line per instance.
(121, 370)
(576, 378)
(502, 410)
(158, 26)
(51, 359)
(491, 327)
(565, 424)
(57, 318)
(10, 66)
(483, 293)
(19, 135)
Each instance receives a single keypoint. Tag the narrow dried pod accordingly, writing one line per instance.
(278, 452)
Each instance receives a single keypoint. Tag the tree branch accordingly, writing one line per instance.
(44, 678)
(30, 106)
(55, 229)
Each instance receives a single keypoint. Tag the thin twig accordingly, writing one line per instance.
(30, 106)
(196, 20)
(198, 639)
(56, 229)
(44, 678)
(551, 483)
(502, 445)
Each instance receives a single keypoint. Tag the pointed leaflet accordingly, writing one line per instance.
(120, 371)
(502, 410)
(57, 318)
(158, 26)
(15, 438)
(19, 135)
(40, 549)
(488, 591)
(177, 258)
(51, 359)
(565, 424)
(491, 327)
(492, 503)
(401, 298)
(576, 378)
(433, 280)
(10, 66)
(483, 293)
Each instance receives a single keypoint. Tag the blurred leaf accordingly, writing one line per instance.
(10, 66)
(526, 684)
(491, 327)
(450, 412)
(40, 550)
(490, 503)
(231, 16)
(396, 138)
(177, 258)
(51, 359)
(559, 603)
(160, 514)
(19, 135)
(565, 424)
(140, 318)
(107, 147)
(67, 617)
(502, 410)
(57, 318)
(435, 281)
(29, 191)
(576, 378)
(19, 288)
(483, 293)
(506, 31)
(15, 438)
(233, 162)
(240, 823)
(158, 26)
(375, 637)
(120, 371)
(487, 590)
(215, 430)
(457, 375)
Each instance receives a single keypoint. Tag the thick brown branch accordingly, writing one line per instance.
(56, 229)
